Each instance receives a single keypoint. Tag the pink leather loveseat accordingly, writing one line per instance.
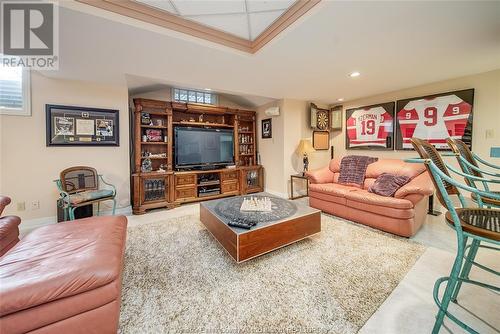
(402, 214)
(62, 278)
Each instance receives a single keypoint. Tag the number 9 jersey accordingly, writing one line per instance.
(434, 120)
(369, 127)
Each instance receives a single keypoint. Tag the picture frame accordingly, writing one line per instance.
(266, 128)
(336, 118)
(81, 126)
(370, 127)
(321, 140)
(435, 118)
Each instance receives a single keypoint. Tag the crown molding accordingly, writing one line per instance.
(167, 20)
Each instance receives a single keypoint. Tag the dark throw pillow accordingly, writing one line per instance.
(387, 184)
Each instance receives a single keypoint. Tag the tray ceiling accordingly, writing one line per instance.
(243, 18)
(246, 25)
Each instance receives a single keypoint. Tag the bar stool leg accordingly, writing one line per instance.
(471, 255)
(450, 287)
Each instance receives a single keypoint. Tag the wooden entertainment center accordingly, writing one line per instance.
(161, 185)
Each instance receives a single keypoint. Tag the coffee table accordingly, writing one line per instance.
(288, 222)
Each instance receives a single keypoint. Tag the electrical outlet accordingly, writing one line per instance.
(489, 133)
(21, 206)
(35, 205)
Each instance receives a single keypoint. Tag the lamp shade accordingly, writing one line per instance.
(305, 147)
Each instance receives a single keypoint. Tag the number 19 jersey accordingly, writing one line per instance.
(369, 127)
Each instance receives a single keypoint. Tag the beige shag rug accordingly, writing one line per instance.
(178, 279)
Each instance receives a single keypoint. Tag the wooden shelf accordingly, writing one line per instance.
(245, 132)
(153, 126)
(153, 143)
(219, 125)
(246, 143)
(211, 183)
(247, 154)
(156, 113)
(155, 158)
(153, 173)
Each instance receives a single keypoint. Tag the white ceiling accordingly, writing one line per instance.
(243, 18)
(395, 45)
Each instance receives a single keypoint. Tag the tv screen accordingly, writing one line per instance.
(198, 147)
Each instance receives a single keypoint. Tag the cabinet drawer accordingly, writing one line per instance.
(229, 187)
(185, 193)
(188, 179)
(230, 176)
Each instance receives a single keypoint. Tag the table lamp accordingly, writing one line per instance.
(304, 149)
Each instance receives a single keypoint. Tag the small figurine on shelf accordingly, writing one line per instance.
(146, 166)
(200, 118)
(162, 168)
(146, 119)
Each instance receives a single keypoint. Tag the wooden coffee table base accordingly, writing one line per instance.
(246, 245)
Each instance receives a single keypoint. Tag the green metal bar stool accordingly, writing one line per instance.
(468, 162)
(480, 225)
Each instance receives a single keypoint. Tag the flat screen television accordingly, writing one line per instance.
(203, 148)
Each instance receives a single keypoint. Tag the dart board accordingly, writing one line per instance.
(322, 119)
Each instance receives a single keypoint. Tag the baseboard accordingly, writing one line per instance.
(31, 224)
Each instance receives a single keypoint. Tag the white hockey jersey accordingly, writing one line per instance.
(434, 120)
(369, 127)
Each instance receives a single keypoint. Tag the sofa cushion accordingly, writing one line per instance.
(394, 166)
(9, 233)
(62, 260)
(4, 201)
(336, 189)
(387, 184)
(90, 195)
(365, 197)
(335, 165)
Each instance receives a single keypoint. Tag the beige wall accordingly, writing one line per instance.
(271, 150)
(27, 166)
(486, 111)
(278, 154)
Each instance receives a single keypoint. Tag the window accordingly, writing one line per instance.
(188, 95)
(14, 91)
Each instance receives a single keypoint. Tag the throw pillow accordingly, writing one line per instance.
(387, 184)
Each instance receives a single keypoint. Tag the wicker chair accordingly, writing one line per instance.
(79, 186)
(481, 225)
(468, 162)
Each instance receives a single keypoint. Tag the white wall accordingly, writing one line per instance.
(28, 167)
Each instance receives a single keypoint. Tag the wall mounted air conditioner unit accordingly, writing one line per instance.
(272, 111)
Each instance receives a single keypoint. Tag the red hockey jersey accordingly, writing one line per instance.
(369, 127)
(434, 120)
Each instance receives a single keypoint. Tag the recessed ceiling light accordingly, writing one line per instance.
(208, 88)
(354, 74)
(340, 99)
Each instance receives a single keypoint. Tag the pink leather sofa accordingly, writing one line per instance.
(63, 278)
(402, 214)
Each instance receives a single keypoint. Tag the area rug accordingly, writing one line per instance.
(178, 279)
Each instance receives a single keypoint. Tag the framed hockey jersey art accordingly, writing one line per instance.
(435, 118)
(370, 127)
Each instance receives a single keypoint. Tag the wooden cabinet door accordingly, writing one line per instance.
(154, 189)
(252, 180)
